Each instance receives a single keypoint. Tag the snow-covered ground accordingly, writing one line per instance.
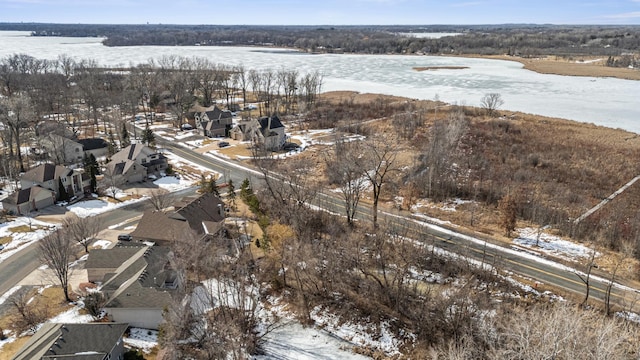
(552, 244)
(172, 183)
(97, 206)
(142, 339)
(22, 238)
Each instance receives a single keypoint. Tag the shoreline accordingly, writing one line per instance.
(589, 68)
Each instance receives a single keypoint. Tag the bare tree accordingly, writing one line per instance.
(443, 148)
(379, 161)
(159, 199)
(585, 277)
(29, 314)
(83, 230)
(491, 103)
(509, 211)
(56, 251)
(112, 180)
(17, 113)
(343, 169)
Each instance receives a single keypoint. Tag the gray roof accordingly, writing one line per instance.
(140, 283)
(46, 172)
(72, 341)
(156, 225)
(93, 143)
(25, 195)
(109, 258)
(131, 152)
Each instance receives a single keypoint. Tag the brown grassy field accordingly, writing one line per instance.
(559, 66)
(555, 167)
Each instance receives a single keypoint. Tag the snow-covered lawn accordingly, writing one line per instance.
(179, 162)
(172, 183)
(72, 316)
(95, 207)
(102, 244)
(142, 339)
(21, 238)
(552, 244)
(293, 341)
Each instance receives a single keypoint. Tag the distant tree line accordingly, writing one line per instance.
(521, 40)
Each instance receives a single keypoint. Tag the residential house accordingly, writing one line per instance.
(203, 215)
(213, 121)
(267, 131)
(97, 341)
(26, 200)
(137, 280)
(62, 150)
(273, 133)
(49, 176)
(96, 146)
(134, 163)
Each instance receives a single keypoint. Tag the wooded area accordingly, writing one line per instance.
(620, 42)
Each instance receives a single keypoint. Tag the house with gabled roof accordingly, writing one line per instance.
(97, 341)
(49, 176)
(203, 215)
(137, 280)
(134, 163)
(213, 121)
(94, 146)
(62, 150)
(267, 131)
(24, 201)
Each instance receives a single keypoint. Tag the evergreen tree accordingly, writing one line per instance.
(204, 184)
(147, 136)
(213, 186)
(111, 145)
(245, 189)
(231, 195)
(62, 192)
(169, 170)
(91, 168)
(124, 136)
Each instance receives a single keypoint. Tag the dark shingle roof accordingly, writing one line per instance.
(25, 195)
(109, 258)
(275, 123)
(72, 341)
(46, 172)
(140, 285)
(93, 143)
(156, 225)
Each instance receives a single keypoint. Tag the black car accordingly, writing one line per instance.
(290, 146)
(125, 237)
(223, 144)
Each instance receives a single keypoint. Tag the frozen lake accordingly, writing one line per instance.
(603, 101)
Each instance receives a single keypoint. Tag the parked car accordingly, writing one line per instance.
(125, 237)
(223, 144)
(290, 146)
(186, 127)
(1, 247)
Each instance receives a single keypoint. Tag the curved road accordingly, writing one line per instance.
(545, 272)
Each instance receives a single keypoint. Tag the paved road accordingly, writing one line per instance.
(25, 261)
(447, 239)
(487, 253)
(503, 258)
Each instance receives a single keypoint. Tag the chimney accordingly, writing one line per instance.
(221, 210)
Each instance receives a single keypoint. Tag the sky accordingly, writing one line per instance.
(322, 12)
